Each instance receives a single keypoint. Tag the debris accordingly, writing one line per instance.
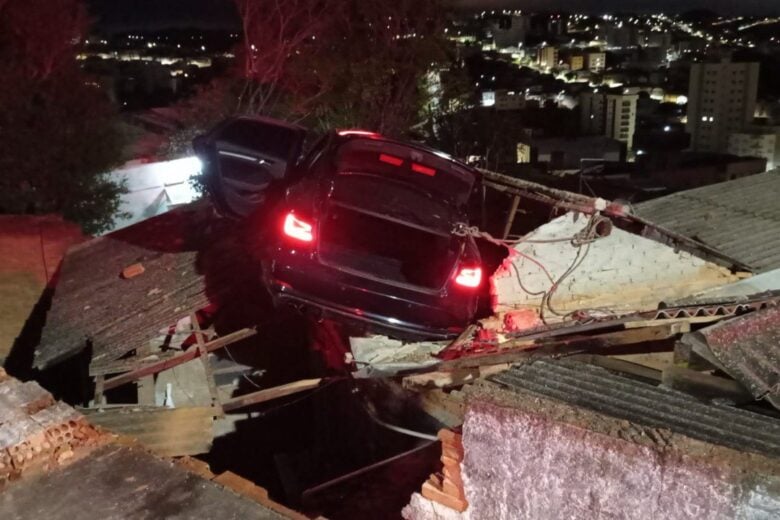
(747, 348)
(270, 394)
(188, 430)
(447, 488)
(133, 271)
(383, 356)
(75, 463)
(705, 385)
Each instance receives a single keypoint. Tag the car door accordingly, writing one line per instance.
(247, 156)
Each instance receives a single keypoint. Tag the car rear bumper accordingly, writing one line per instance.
(393, 311)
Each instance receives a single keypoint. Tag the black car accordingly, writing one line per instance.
(364, 228)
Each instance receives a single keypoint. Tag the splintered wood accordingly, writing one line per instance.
(447, 488)
(35, 431)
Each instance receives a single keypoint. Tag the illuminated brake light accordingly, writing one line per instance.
(390, 159)
(297, 228)
(364, 133)
(419, 168)
(469, 277)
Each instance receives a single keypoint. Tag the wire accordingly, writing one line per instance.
(246, 377)
(298, 400)
(398, 429)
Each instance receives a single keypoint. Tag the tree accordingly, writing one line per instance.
(331, 63)
(58, 135)
(375, 65)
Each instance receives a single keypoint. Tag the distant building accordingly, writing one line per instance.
(610, 115)
(596, 61)
(576, 62)
(593, 110)
(509, 100)
(621, 117)
(548, 57)
(656, 39)
(570, 154)
(621, 36)
(721, 101)
(510, 31)
(757, 142)
(694, 169)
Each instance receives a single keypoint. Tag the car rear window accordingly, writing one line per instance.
(436, 175)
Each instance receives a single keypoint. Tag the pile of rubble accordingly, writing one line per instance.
(627, 370)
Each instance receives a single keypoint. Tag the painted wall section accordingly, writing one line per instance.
(621, 272)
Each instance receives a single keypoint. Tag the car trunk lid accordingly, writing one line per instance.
(388, 232)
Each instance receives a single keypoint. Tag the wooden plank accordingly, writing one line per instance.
(169, 432)
(653, 360)
(146, 395)
(270, 394)
(100, 398)
(705, 386)
(183, 357)
(204, 358)
(510, 219)
(622, 366)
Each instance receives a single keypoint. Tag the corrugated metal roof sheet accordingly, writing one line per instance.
(598, 389)
(748, 349)
(741, 218)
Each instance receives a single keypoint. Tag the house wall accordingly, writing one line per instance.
(620, 272)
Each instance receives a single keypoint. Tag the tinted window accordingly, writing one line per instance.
(274, 140)
(435, 175)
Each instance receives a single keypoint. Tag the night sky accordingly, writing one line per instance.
(125, 15)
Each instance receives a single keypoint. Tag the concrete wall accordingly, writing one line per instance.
(525, 465)
(31, 248)
(620, 272)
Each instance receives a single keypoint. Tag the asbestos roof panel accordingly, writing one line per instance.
(748, 349)
(597, 389)
(116, 482)
(190, 260)
(740, 218)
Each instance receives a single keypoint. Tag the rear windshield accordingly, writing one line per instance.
(436, 175)
(258, 136)
(398, 200)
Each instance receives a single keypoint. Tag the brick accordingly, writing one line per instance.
(452, 464)
(431, 492)
(132, 271)
(452, 452)
(454, 476)
(452, 489)
(449, 437)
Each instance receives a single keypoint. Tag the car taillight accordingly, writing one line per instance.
(469, 277)
(298, 229)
